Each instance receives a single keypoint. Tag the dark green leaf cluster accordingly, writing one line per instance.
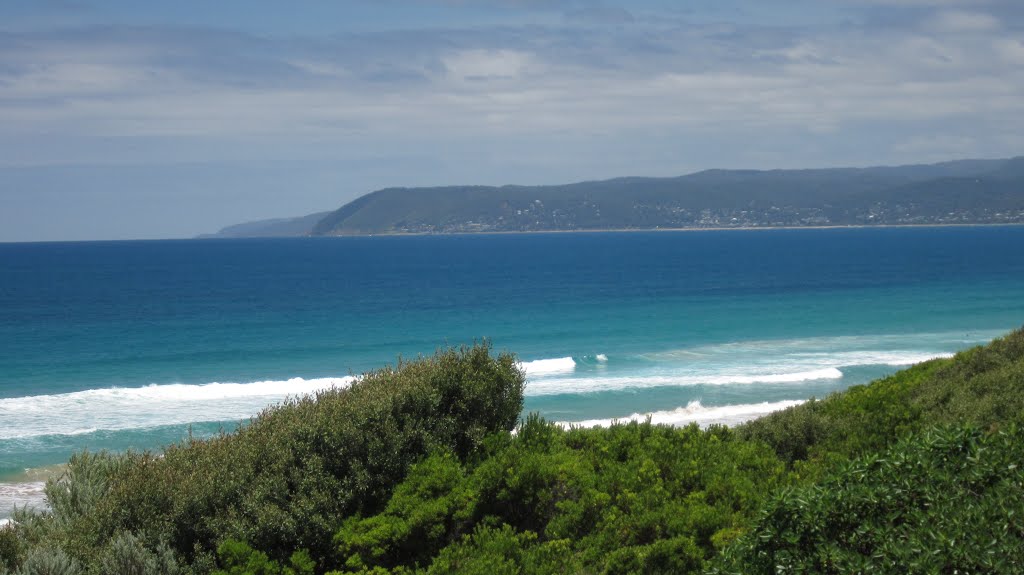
(634, 498)
(943, 501)
(238, 558)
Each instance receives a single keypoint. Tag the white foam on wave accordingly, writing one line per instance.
(694, 412)
(216, 390)
(740, 363)
(879, 349)
(552, 386)
(826, 373)
(119, 408)
(602, 358)
(29, 494)
(872, 357)
(548, 366)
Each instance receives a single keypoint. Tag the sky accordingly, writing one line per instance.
(126, 120)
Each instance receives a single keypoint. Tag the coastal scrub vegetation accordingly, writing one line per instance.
(947, 500)
(426, 468)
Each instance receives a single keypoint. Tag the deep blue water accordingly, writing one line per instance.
(113, 344)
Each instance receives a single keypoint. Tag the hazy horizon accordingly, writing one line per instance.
(126, 121)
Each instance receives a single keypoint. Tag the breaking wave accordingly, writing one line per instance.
(694, 412)
(592, 384)
(119, 408)
(548, 366)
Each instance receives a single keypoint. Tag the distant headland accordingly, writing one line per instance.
(960, 192)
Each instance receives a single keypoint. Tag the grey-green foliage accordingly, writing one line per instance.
(128, 555)
(83, 484)
(283, 483)
(46, 561)
(70, 523)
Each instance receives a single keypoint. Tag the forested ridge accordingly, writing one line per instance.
(956, 192)
(426, 467)
(964, 192)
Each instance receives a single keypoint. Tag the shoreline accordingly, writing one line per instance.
(642, 230)
(524, 232)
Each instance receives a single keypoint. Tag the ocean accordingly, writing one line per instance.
(132, 345)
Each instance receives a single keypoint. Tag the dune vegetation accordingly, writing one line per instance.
(427, 468)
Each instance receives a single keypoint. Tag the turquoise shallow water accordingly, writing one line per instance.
(122, 345)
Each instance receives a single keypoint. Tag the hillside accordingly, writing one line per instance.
(961, 192)
(272, 228)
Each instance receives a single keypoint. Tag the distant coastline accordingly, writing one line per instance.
(663, 229)
(964, 192)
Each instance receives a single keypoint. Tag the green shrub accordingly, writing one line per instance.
(73, 498)
(505, 551)
(49, 561)
(946, 500)
(487, 551)
(983, 386)
(238, 558)
(663, 557)
(664, 494)
(287, 480)
(127, 555)
(10, 548)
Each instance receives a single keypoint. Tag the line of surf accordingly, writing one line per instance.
(767, 369)
(894, 344)
(125, 408)
(570, 385)
(694, 412)
(119, 408)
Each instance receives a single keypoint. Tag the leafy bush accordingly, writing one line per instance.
(240, 559)
(983, 386)
(10, 548)
(128, 555)
(657, 498)
(49, 561)
(71, 523)
(498, 551)
(943, 501)
(287, 480)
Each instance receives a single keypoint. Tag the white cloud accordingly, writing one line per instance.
(526, 85)
(963, 21)
(482, 64)
(1011, 50)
